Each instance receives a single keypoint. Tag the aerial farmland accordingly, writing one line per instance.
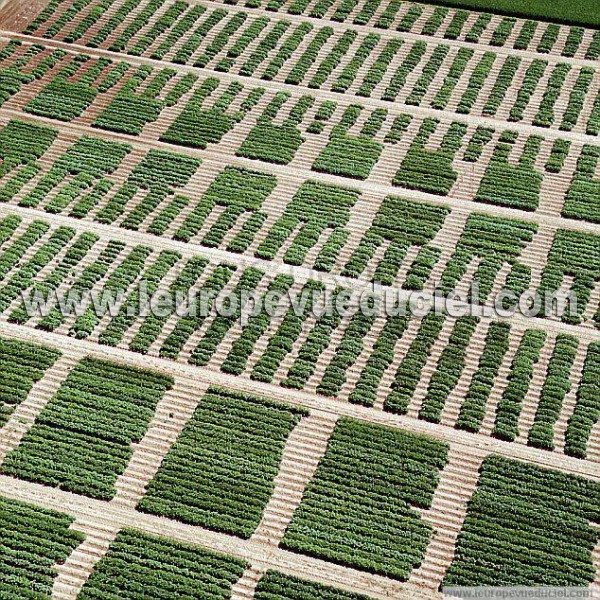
(299, 299)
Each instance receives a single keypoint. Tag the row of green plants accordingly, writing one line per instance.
(75, 177)
(21, 145)
(583, 198)
(236, 361)
(283, 339)
(76, 86)
(238, 192)
(138, 565)
(199, 124)
(82, 440)
(188, 324)
(522, 368)
(69, 94)
(365, 391)
(448, 369)
(557, 385)
(24, 275)
(408, 373)
(247, 282)
(142, 98)
(12, 254)
(575, 254)
(33, 541)
(346, 354)
(89, 276)
(431, 170)
(161, 173)
(352, 156)
(220, 472)
(360, 509)
(22, 65)
(23, 364)
(495, 241)
(399, 224)
(473, 408)
(128, 312)
(527, 526)
(315, 208)
(508, 184)
(277, 143)
(69, 262)
(117, 282)
(587, 409)
(182, 17)
(152, 324)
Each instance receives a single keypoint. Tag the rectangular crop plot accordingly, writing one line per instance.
(141, 566)
(277, 586)
(21, 365)
(527, 526)
(33, 541)
(359, 510)
(82, 440)
(219, 474)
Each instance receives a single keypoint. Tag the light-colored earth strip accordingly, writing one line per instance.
(245, 587)
(77, 569)
(173, 412)
(457, 483)
(303, 451)
(318, 93)
(102, 514)
(475, 445)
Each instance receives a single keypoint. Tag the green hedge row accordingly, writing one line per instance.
(22, 365)
(587, 410)
(182, 18)
(277, 586)
(34, 540)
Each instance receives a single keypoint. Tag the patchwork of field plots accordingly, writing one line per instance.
(283, 146)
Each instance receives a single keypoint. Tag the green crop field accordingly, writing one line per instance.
(299, 299)
(578, 12)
